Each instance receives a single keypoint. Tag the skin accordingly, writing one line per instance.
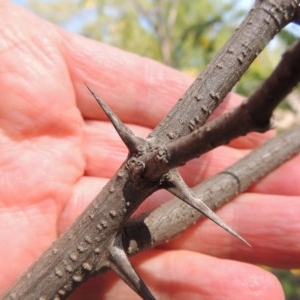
(57, 150)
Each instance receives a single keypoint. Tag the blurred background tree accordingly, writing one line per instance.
(181, 34)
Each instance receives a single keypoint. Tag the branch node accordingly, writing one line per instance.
(135, 167)
(121, 265)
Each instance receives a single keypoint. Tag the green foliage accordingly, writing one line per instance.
(291, 283)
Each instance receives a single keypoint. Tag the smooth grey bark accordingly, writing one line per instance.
(92, 244)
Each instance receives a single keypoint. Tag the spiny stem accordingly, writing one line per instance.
(47, 278)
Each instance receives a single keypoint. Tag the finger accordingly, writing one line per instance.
(18, 229)
(249, 141)
(84, 192)
(277, 182)
(283, 181)
(136, 88)
(269, 223)
(34, 78)
(187, 275)
(196, 170)
(105, 152)
(210, 164)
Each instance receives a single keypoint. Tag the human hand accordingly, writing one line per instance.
(58, 150)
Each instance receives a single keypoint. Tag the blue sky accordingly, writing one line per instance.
(20, 2)
(75, 23)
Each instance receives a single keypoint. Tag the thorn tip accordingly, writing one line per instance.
(122, 266)
(178, 188)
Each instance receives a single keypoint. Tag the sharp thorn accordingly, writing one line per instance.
(179, 189)
(204, 209)
(128, 137)
(121, 265)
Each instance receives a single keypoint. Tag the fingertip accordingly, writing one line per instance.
(189, 275)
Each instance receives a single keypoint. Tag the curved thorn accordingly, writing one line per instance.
(178, 188)
(122, 266)
(128, 137)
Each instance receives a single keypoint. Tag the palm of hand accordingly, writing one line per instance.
(41, 147)
(56, 154)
